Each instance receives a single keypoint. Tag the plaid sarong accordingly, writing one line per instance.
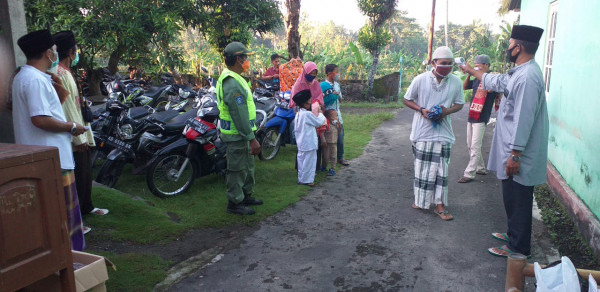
(74, 222)
(431, 173)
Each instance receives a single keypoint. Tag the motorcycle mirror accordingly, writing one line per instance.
(204, 69)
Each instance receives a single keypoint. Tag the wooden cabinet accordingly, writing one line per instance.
(34, 239)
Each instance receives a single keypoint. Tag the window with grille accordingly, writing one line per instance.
(551, 32)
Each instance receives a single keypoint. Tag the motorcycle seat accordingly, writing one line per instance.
(138, 112)
(154, 92)
(178, 123)
(164, 116)
(266, 105)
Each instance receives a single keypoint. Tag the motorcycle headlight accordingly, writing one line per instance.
(183, 93)
(126, 131)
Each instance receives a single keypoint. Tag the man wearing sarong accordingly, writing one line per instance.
(520, 145)
(433, 95)
(38, 118)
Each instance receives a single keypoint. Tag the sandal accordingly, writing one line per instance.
(465, 179)
(86, 230)
(500, 236)
(344, 162)
(482, 172)
(98, 211)
(414, 206)
(502, 251)
(445, 215)
(307, 184)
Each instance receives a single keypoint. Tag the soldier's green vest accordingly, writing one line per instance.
(227, 126)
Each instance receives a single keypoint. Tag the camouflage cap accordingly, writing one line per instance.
(235, 49)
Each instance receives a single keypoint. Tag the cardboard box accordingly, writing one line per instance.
(93, 275)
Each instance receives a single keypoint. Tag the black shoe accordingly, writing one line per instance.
(239, 209)
(250, 201)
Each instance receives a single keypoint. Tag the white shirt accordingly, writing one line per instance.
(426, 92)
(305, 129)
(33, 95)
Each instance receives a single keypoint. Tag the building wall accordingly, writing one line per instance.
(574, 98)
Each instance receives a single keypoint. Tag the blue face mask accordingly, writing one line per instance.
(74, 63)
(337, 77)
(55, 63)
(309, 77)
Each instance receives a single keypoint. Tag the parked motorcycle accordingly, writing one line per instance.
(199, 153)
(276, 132)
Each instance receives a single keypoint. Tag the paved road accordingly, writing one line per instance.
(357, 231)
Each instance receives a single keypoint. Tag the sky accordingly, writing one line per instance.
(347, 14)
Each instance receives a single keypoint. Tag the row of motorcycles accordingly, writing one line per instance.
(171, 133)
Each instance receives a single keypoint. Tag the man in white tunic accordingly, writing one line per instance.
(433, 95)
(520, 144)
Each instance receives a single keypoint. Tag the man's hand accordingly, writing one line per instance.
(275, 76)
(254, 147)
(425, 112)
(445, 112)
(512, 167)
(79, 129)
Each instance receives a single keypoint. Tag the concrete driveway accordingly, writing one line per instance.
(358, 232)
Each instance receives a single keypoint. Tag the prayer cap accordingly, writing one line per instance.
(35, 42)
(526, 33)
(302, 97)
(442, 52)
(64, 40)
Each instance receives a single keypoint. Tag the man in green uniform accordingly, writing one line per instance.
(238, 115)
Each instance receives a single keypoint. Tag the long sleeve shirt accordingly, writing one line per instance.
(305, 125)
(522, 123)
(72, 107)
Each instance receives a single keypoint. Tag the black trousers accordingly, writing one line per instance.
(83, 180)
(518, 203)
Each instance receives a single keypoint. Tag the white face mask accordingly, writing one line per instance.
(54, 67)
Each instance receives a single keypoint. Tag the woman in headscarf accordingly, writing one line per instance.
(308, 81)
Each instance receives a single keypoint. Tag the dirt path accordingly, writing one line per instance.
(357, 231)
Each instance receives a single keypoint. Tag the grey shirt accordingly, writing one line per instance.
(522, 123)
(426, 92)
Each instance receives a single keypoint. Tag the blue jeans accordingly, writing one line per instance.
(340, 144)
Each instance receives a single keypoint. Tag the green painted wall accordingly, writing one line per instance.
(574, 96)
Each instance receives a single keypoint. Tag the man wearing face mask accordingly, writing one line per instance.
(479, 115)
(82, 144)
(238, 115)
(38, 118)
(520, 145)
(433, 96)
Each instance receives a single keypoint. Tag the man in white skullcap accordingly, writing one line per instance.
(433, 95)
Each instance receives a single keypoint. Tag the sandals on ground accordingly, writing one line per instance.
(307, 184)
(502, 251)
(344, 162)
(500, 236)
(445, 215)
(465, 179)
(98, 211)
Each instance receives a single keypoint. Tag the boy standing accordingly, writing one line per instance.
(305, 126)
(331, 138)
(332, 95)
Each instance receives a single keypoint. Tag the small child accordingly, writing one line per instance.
(305, 125)
(331, 137)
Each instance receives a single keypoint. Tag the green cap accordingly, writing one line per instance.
(235, 49)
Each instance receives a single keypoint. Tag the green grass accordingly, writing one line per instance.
(392, 105)
(204, 205)
(135, 272)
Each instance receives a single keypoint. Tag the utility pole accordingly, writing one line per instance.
(446, 31)
(430, 45)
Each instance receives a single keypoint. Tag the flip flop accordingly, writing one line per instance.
(100, 212)
(307, 184)
(502, 251)
(86, 230)
(482, 172)
(465, 179)
(344, 162)
(445, 215)
(500, 236)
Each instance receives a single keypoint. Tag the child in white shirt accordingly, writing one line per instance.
(305, 125)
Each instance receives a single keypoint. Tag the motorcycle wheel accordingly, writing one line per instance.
(110, 172)
(161, 175)
(269, 144)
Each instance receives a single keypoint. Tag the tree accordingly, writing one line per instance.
(292, 23)
(407, 35)
(375, 35)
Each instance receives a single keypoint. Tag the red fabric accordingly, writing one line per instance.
(272, 71)
(478, 102)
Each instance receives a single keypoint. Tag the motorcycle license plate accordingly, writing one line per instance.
(198, 126)
(121, 145)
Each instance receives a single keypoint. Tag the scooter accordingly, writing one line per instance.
(276, 132)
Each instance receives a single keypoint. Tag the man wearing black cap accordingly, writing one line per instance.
(38, 118)
(237, 126)
(520, 145)
(69, 57)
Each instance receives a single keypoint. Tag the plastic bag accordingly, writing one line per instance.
(559, 278)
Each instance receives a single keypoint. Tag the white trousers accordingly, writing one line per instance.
(307, 164)
(475, 133)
